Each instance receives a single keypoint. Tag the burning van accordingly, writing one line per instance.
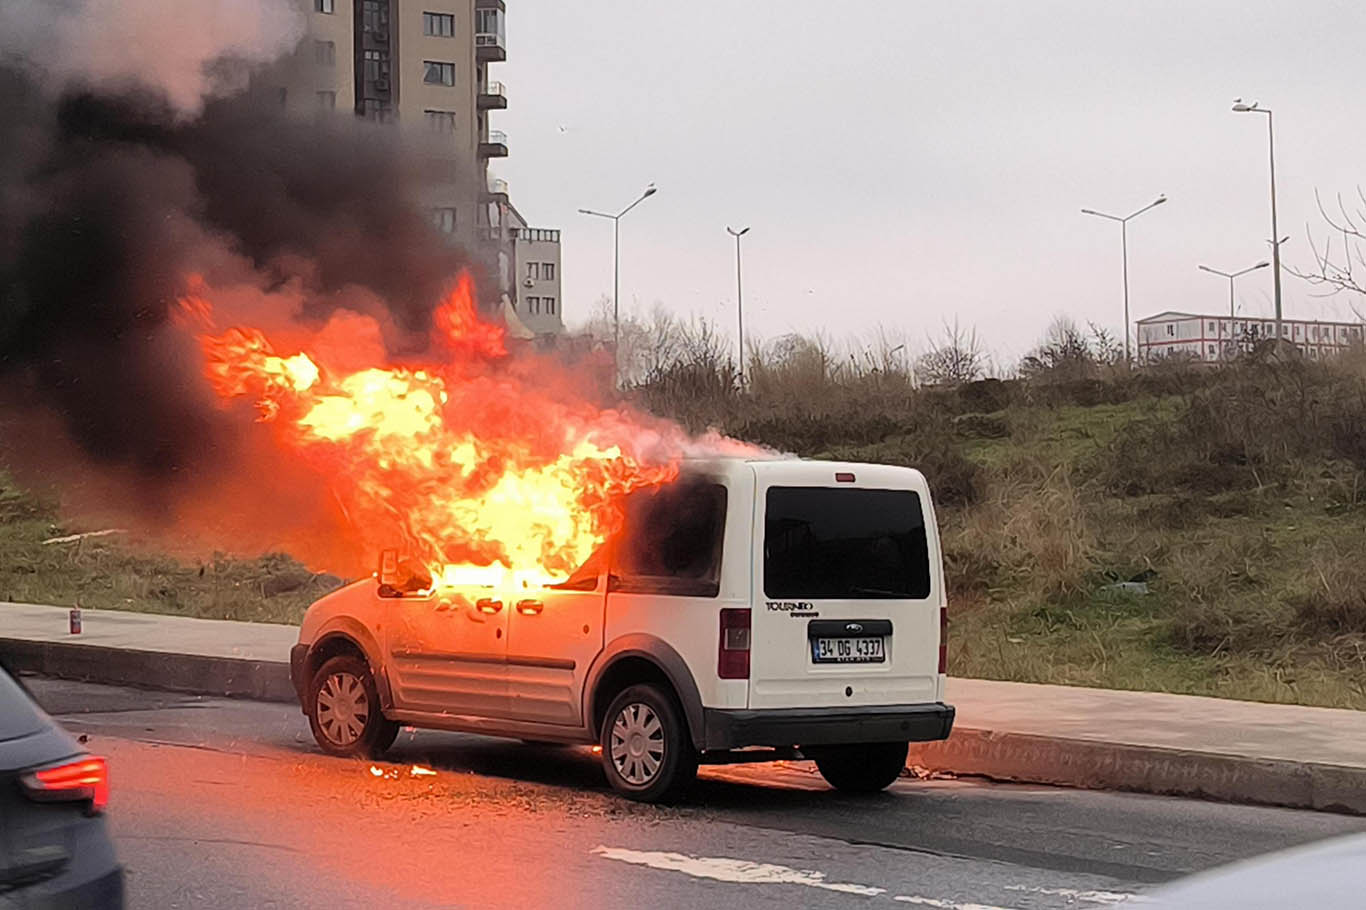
(752, 609)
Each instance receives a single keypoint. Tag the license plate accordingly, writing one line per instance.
(866, 650)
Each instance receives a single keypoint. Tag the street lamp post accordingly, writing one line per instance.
(739, 296)
(1241, 108)
(1124, 242)
(616, 275)
(1231, 276)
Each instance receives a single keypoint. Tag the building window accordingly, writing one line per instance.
(1171, 330)
(437, 73)
(376, 66)
(1212, 328)
(548, 272)
(440, 121)
(325, 6)
(533, 271)
(327, 101)
(549, 303)
(378, 111)
(325, 53)
(1297, 330)
(1211, 350)
(443, 219)
(438, 25)
(533, 305)
(375, 18)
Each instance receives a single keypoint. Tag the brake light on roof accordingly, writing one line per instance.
(83, 779)
(844, 477)
(732, 659)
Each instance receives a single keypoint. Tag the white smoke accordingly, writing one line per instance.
(174, 47)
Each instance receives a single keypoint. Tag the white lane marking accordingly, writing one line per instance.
(1093, 897)
(736, 871)
(942, 904)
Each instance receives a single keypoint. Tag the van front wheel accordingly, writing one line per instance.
(861, 767)
(344, 710)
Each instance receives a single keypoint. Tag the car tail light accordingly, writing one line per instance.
(83, 779)
(732, 660)
(943, 639)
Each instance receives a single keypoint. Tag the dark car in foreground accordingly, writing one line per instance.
(55, 851)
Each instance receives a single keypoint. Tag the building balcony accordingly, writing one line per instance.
(490, 38)
(497, 190)
(489, 233)
(493, 97)
(494, 145)
(536, 235)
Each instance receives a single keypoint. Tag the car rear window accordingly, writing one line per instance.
(18, 714)
(824, 543)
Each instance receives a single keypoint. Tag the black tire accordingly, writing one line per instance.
(627, 760)
(337, 710)
(861, 767)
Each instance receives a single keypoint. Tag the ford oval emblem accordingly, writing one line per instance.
(853, 627)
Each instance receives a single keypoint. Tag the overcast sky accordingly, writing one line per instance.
(902, 163)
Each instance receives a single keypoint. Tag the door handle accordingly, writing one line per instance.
(488, 605)
(529, 607)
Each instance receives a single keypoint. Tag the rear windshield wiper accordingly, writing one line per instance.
(879, 592)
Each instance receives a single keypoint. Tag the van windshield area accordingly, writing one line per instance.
(823, 543)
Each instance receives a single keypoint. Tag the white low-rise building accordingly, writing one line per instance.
(1215, 338)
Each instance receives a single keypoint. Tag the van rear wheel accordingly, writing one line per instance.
(861, 767)
(646, 751)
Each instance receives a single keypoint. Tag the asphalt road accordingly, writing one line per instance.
(228, 804)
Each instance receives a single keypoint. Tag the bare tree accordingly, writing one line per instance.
(1064, 350)
(956, 358)
(1340, 266)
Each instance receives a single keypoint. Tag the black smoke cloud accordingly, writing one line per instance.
(111, 200)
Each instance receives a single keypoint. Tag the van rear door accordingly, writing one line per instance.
(848, 587)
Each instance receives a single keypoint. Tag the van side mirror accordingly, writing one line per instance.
(388, 569)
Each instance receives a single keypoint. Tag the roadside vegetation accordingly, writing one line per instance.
(1174, 528)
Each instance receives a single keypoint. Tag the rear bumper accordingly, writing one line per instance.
(727, 729)
(298, 659)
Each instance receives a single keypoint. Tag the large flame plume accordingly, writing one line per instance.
(486, 468)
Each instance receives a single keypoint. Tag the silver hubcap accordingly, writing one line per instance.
(343, 708)
(637, 744)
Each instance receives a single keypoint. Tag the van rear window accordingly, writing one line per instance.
(822, 543)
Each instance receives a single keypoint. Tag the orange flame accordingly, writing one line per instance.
(480, 471)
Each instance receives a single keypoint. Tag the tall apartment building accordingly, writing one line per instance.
(1214, 338)
(426, 67)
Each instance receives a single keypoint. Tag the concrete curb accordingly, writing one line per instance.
(1002, 756)
(1095, 765)
(196, 674)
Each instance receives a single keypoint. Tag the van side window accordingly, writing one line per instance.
(671, 541)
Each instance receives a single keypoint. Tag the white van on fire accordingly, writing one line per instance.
(754, 609)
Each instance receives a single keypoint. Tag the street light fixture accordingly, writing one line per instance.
(616, 275)
(1124, 241)
(739, 296)
(1231, 276)
(1253, 108)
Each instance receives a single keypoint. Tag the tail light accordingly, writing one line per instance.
(84, 779)
(943, 639)
(732, 659)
